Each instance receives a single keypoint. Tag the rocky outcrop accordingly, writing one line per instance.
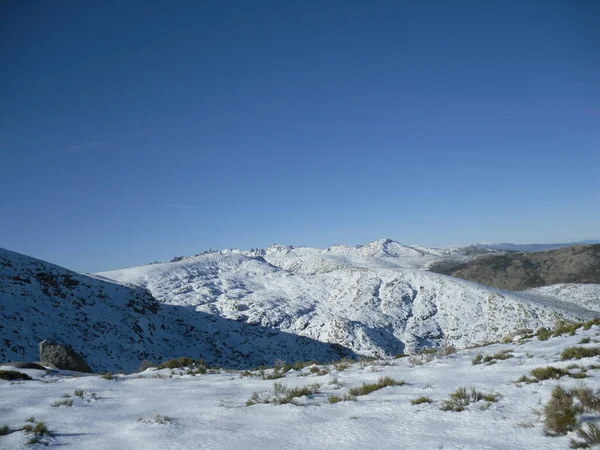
(63, 357)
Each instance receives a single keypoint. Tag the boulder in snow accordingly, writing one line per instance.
(62, 356)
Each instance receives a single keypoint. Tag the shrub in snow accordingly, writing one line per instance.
(461, 398)
(420, 400)
(561, 413)
(367, 388)
(579, 352)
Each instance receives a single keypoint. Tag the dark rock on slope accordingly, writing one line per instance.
(518, 271)
(62, 357)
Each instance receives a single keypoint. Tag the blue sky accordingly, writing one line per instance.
(135, 131)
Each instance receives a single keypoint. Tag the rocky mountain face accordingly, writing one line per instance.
(518, 271)
(241, 309)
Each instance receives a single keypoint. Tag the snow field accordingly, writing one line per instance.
(210, 412)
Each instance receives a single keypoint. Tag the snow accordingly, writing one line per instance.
(209, 411)
(241, 309)
(368, 299)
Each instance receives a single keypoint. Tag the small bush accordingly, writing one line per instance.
(30, 419)
(275, 375)
(590, 436)
(502, 355)
(162, 419)
(367, 388)
(4, 430)
(79, 393)
(560, 412)
(317, 371)
(334, 399)
(588, 399)
(107, 376)
(458, 401)
(420, 400)
(478, 359)
(585, 340)
(491, 359)
(427, 351)
(448, 350)
(564, 327)
(342, 365)
(282, 394)
(180, 363)
(67, 402)
(421, 358)
(42, 429)
(543, 334)
(579, 352)
(526, 379)
(461, 398)
(587, 325)
(13, 375)
(146, 365)
(548, 373)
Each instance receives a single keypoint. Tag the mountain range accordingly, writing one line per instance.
(239, 309)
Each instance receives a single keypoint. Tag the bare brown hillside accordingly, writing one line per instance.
(518, 271)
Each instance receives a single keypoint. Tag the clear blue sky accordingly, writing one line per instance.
(132, 131)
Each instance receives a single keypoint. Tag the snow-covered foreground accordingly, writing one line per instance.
(209, 411)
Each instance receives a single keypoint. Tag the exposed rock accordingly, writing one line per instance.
(63, 357)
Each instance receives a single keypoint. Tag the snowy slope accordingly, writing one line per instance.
(585, 295)
(210, 412)
(116, 326)
(366, 302)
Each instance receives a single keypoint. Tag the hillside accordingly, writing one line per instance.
(116, 326)
(519, 271)
(504, 246)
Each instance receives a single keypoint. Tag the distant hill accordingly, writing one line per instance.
(518, 271)
(532, 247)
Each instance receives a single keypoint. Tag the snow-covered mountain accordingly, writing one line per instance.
(115, 326)
(373, 299)
(238, 308)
